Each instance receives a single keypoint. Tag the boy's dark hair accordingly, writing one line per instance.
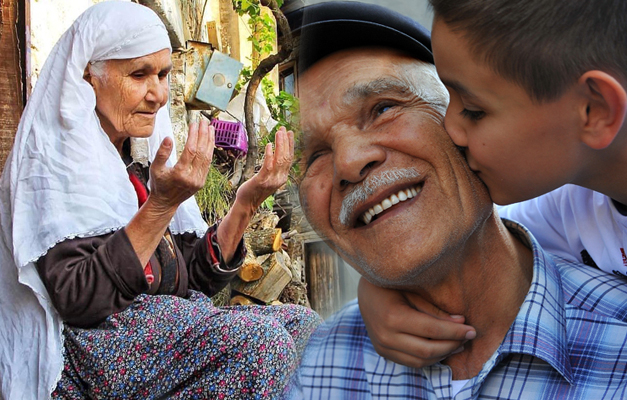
(542, 45)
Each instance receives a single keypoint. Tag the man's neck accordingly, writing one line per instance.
(486, 282)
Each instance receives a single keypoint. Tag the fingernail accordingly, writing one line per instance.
(471, 335)
(458, 350)
(457, 316)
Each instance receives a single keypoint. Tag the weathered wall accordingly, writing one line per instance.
(49, 20)
(185, 20)
(10, 77)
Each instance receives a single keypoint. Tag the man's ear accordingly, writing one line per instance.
(605, 108)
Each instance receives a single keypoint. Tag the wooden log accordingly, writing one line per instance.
(240, 300)
(262, 220)
(295, 293)
(250, 272)
(296, 268)
(251, 268)
(276, 275)
(269, 221)
(264, 241)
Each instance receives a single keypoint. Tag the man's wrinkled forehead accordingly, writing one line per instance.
(398, 76)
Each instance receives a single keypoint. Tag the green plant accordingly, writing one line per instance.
(214, 198)
(282, 105)
(262, 27)
(268, 203)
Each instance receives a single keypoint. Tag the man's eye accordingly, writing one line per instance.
(472, 115)
(380, 109)
(138, 74)
(312, 158)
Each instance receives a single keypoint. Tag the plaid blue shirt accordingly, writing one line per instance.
(568, 342)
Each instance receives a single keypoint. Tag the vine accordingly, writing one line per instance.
(263, 36)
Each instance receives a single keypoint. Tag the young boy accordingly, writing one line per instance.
(538, 101)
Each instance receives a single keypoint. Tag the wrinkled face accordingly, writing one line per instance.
(129, 93)
(382, 181)
(518, 147)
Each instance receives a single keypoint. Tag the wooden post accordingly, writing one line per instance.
(11, 104)
(322, 278)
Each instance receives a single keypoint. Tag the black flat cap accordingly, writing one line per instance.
(326, 28)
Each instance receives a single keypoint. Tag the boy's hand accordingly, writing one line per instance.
(407, 330)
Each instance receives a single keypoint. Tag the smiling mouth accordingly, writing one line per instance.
(403, 195)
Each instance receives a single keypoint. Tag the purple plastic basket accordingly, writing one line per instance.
(231, 135)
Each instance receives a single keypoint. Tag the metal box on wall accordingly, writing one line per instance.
(210, 76)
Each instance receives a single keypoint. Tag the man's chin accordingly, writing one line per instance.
(399, 281)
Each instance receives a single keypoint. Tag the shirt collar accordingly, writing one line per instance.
(539, 329)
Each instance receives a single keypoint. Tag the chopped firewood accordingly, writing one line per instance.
(268, 221)
(251, 268)
(296, 268)
(250, 271)
(240, 300)
(263, 219)
(222, 298)
(289, 235)
(264, 241)
(276, 275)
(295, 293)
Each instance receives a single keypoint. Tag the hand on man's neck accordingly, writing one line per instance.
(486, 282)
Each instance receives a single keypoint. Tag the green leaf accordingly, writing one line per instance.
(268, 203)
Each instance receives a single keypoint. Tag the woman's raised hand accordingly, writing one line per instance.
(170, 186)
(273, 173)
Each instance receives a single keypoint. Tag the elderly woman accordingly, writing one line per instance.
(106, 263)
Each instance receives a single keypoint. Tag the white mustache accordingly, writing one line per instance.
(360, 193)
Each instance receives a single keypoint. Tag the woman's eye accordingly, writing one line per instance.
(472, 115)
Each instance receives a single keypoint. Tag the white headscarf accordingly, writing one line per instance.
(65, 179)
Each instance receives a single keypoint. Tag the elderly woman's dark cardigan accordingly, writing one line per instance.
(89, 279)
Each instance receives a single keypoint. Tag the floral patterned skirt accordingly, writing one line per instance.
(171, 347)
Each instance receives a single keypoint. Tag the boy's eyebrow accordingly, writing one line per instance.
(458, 87)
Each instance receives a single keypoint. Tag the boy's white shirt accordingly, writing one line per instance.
(572, 219)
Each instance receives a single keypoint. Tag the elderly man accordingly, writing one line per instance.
(384, 184)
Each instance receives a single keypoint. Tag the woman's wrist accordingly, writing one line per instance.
(231, 229)
(158, 209)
